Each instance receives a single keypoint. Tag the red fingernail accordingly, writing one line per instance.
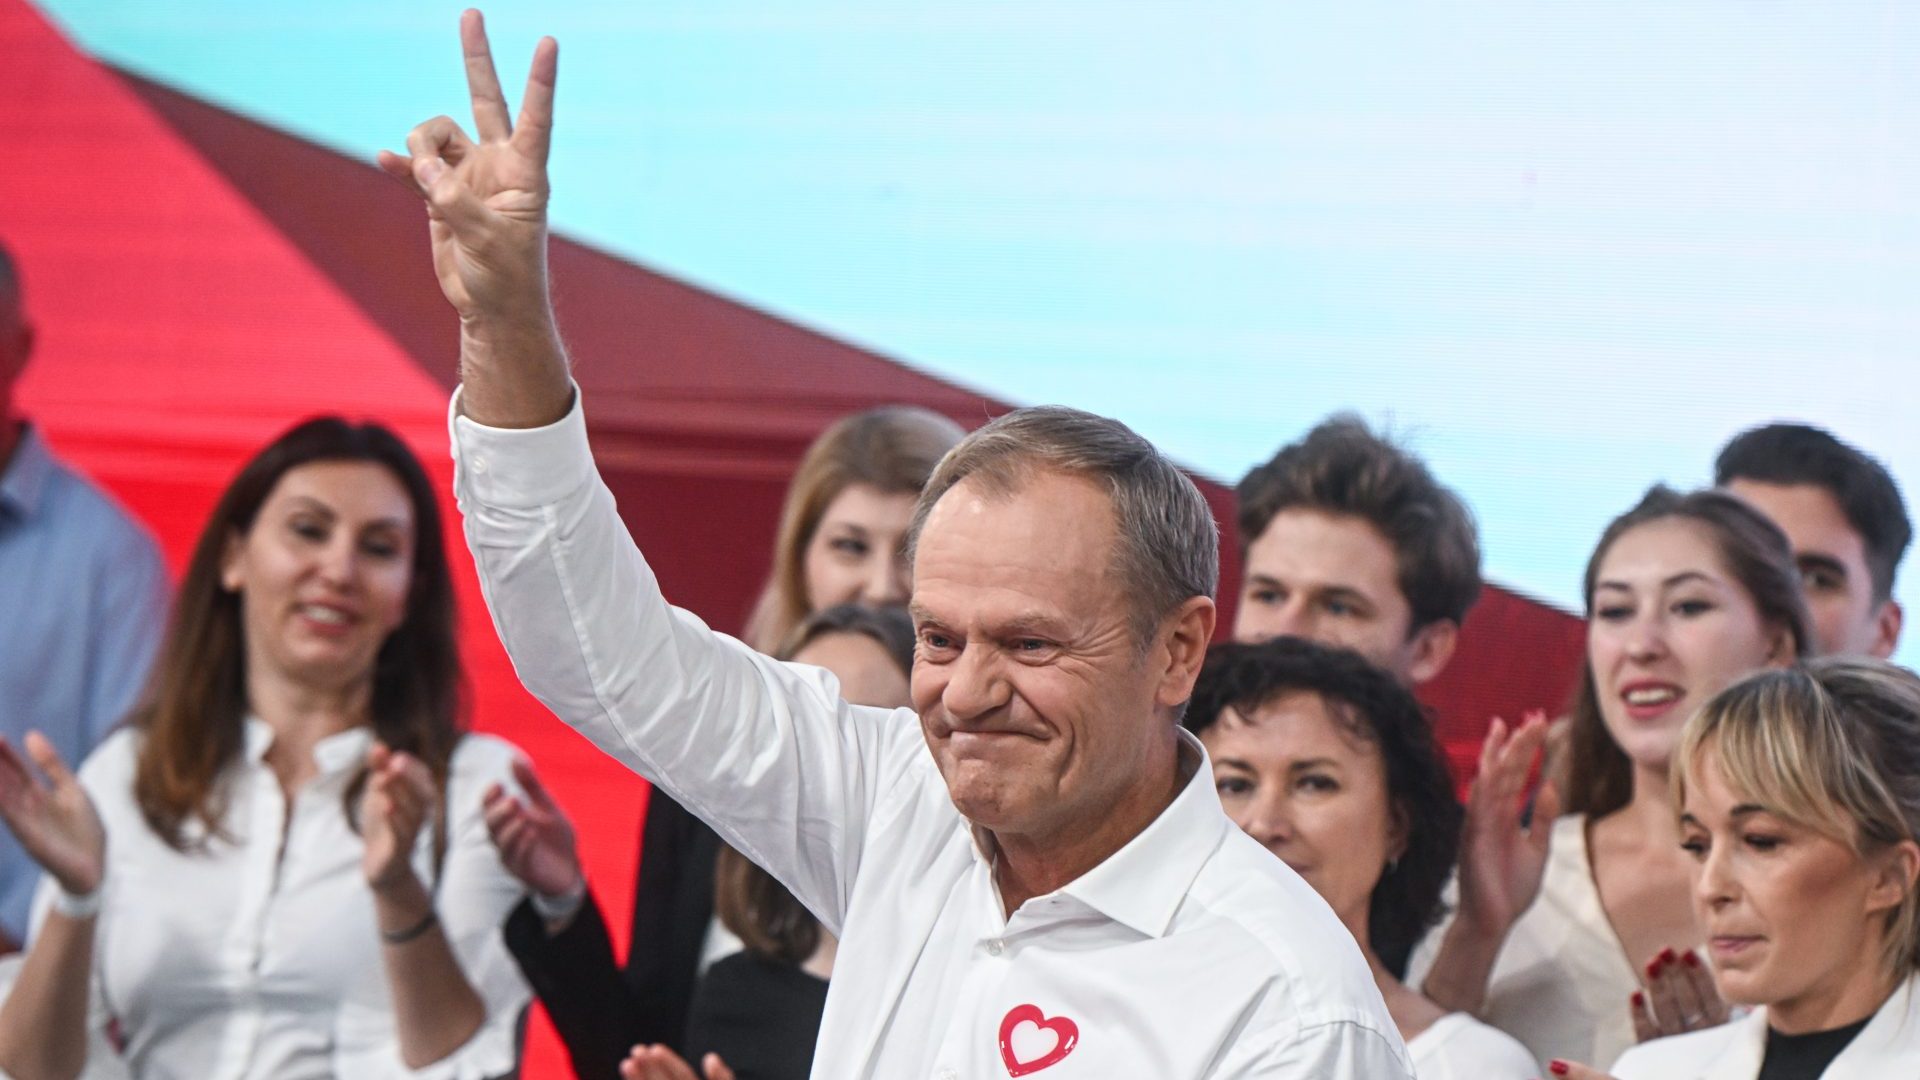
(1653, 967)
(1558, 1067)
(1639, 1000)
(1692, 960)
(1667, 957)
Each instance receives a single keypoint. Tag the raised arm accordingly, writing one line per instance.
(1501, 864)
(487, 212)
(768, 754)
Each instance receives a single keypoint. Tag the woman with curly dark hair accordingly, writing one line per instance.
(1330, 763)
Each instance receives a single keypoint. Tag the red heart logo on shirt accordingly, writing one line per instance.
(1066, 1035)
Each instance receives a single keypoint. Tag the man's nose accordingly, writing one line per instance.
(975, 686)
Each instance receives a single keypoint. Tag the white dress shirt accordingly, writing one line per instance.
(1192, 952)
(1458, 1047)
(248, 961)
(1561, 983)
(1887, 1048)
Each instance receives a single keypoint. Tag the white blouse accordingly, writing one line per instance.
(1562, 981)
(1458, 1047)
(246, 960)
(1887, 1048)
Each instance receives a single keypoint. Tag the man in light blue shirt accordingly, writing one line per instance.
(83, 597)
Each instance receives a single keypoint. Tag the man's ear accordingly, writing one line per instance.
(1430, 648)
(1187, 633)
(1886, 628)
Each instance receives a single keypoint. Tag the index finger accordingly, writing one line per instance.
(534, 135)
(490, 120)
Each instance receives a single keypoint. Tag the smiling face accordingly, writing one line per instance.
(1794, 918)
(324, 572)
(1335, 579)
(1832, 559)
(1043, 712)
(1670, 629)
(857, 553)
(1295, 779)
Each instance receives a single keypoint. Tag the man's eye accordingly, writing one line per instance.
(1265, 596)
(1029, 645)
(1822, 581)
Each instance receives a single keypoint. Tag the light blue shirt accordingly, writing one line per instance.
(83, 601)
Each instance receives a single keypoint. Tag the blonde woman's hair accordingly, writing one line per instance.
(893, 448)
(1833, 746)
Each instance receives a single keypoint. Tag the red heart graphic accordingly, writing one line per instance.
(1066, 1035)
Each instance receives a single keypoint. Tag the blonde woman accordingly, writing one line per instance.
(1798, 795)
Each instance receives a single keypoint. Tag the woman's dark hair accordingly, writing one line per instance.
(890, 628)
(1375, 707)
(750, 902)
(193, 712)
(1757, 556)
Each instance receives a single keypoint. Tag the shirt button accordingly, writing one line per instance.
(996, 947)
(479, 464)
(949, 1074)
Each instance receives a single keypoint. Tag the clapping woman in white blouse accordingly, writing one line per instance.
(279, 868)
(1331, 764)
(1575, 934)
(1798, 799)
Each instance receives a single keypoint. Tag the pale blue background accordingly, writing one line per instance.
(1565, 248)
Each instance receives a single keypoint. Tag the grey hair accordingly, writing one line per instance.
(1169, 544)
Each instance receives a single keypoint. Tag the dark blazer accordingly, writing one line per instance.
(600, 1009)
(761, 1016)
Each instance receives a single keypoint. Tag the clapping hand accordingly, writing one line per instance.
(534, 837)
(1680, 997)
(54, 820)
(1501, 863)
(660, 1063)
(399, 800)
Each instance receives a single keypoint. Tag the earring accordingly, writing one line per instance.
(1393, 864)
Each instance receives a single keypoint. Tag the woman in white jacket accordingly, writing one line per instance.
(1799, 801)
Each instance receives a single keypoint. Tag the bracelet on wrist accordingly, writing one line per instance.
(77, 905)
(401, 937)
(560, 908)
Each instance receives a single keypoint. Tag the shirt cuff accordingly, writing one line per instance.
(520, 468)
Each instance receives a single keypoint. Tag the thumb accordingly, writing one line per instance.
(529, 782)
(715, 1068)
(40, 748)
(1546, 810)
(1573, 1070)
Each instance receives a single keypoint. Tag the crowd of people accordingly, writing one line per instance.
(977, 793)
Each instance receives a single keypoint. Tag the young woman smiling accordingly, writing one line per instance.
(1799, 810)
(1559, 923)
(278, 868)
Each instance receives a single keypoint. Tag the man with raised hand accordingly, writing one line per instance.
(1054, 890)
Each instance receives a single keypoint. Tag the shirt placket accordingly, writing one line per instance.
(264, 831)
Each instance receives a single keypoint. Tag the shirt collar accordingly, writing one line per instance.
(1143, 884)
(24, 484)
(338, 752)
